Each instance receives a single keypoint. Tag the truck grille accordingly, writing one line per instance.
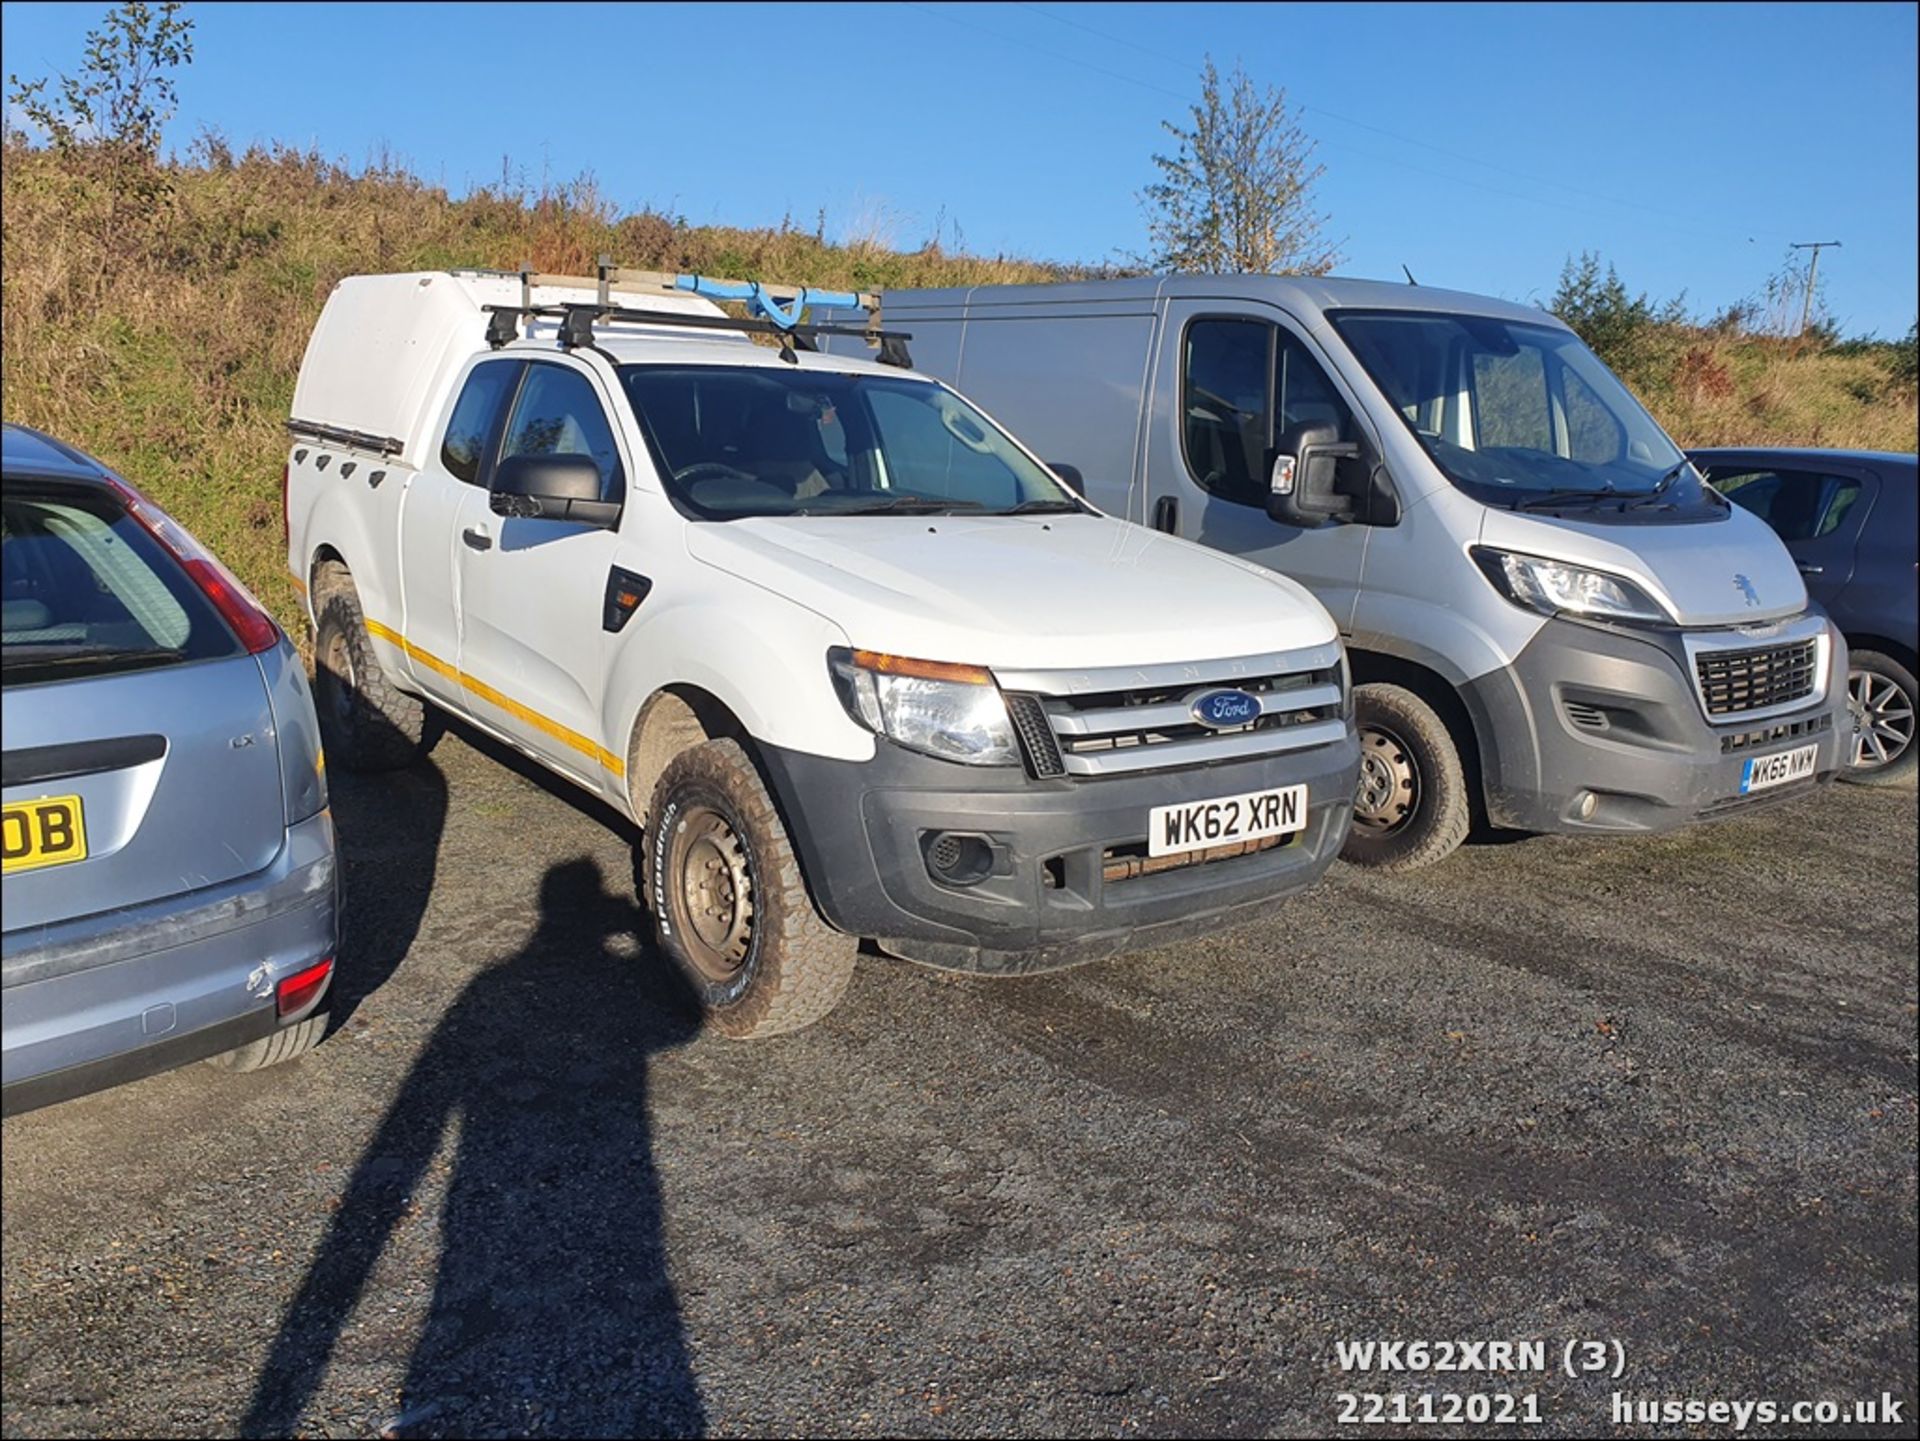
(1088, 724)
(1733, 682)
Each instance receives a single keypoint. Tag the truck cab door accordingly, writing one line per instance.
(1227, 382)
(533, 647)
(455, 473)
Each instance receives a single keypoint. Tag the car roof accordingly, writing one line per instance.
(26, 450)
(1804, 455)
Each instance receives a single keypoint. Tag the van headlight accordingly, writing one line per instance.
(951, 711)
(1553, 587)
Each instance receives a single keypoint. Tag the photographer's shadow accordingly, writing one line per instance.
(552, 1311)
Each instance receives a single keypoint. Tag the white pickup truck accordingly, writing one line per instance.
(857, 662)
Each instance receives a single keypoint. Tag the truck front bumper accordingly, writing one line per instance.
(1596, 729)
(1055, 894)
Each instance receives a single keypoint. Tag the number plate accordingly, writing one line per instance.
(49, 832)
(1225, 821)
(1778, 769)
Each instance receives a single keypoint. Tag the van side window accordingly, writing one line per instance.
(559, 413)
(1799, 504)
(1306, 394)
(1225, 402)
(473, 416)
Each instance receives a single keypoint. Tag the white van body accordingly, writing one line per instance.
(514, 623)
(1724, 689)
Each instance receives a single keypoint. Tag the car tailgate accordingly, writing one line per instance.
(177, 776)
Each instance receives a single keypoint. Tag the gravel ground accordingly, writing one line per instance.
(1655, 1091)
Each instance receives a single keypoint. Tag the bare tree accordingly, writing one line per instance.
(1236, 196)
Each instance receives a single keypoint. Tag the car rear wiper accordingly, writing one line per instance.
(54, 653)
(1565, 497)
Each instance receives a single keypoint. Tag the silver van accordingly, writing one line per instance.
(1556, 624)
(169, 890)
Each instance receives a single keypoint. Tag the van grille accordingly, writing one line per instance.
(1733, 682)
(1089, 724)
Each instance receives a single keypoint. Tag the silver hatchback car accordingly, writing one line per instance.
(169, 879)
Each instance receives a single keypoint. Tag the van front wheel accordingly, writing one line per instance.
(729, 902)
(1410, 808)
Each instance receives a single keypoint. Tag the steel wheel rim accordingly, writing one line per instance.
(1882, 720)
(1388, 792)
(713, 885)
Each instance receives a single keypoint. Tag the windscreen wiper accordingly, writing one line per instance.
(1045, 507)
(1565, 497)
(1661, 489)
(904, 504)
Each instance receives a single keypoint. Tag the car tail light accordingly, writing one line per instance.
(234, 601)
(297, 991)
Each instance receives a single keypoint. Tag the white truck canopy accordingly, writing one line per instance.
(387, 347)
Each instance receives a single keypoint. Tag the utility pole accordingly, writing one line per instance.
(1813, 270)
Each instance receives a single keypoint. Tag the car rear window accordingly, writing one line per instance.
(86, 591)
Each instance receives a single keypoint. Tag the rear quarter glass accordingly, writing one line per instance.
(85, 590)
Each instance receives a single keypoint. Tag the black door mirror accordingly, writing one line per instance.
(1304, 484)
(552, 487)
(1069, 476)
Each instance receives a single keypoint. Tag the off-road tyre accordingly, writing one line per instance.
(729, 903)
(367, 723)
(289, 1043)
(1411, 808)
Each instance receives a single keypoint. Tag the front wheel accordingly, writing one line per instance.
(729, 902)
(1881, 697)
(1410, 808)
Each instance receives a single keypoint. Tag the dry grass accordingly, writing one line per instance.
(167, 341)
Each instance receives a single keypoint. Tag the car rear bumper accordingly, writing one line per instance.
(1070, 880)
(1589, 711)
(92, 1002)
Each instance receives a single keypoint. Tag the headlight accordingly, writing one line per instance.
(951, 711)
(1553, 587)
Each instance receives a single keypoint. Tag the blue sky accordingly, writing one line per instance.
(1478, 145)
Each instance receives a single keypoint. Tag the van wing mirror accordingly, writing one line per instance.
(1069, 476)
(552, 487)
(1303, 485)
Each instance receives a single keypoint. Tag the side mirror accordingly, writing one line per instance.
(1069, 476)
(1303, 486)
(552, 487)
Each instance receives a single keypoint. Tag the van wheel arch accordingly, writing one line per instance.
(1370, 667)
(328, 573)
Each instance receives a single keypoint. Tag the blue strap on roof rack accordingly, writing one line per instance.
(762, 301)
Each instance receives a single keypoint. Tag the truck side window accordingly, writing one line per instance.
(559, 413)
(1225, 393)
(473, 416)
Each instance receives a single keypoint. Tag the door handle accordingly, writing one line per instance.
(1166, 514)
(477, 538)
(1806, 569)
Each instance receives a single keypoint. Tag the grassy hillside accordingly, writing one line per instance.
(163, 330)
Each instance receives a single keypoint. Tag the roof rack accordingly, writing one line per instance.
(773, 309)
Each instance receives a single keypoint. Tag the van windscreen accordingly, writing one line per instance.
(1516, 414)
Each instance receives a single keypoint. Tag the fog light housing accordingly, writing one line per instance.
(958, 858)
(302, 988)
(1585, 804)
